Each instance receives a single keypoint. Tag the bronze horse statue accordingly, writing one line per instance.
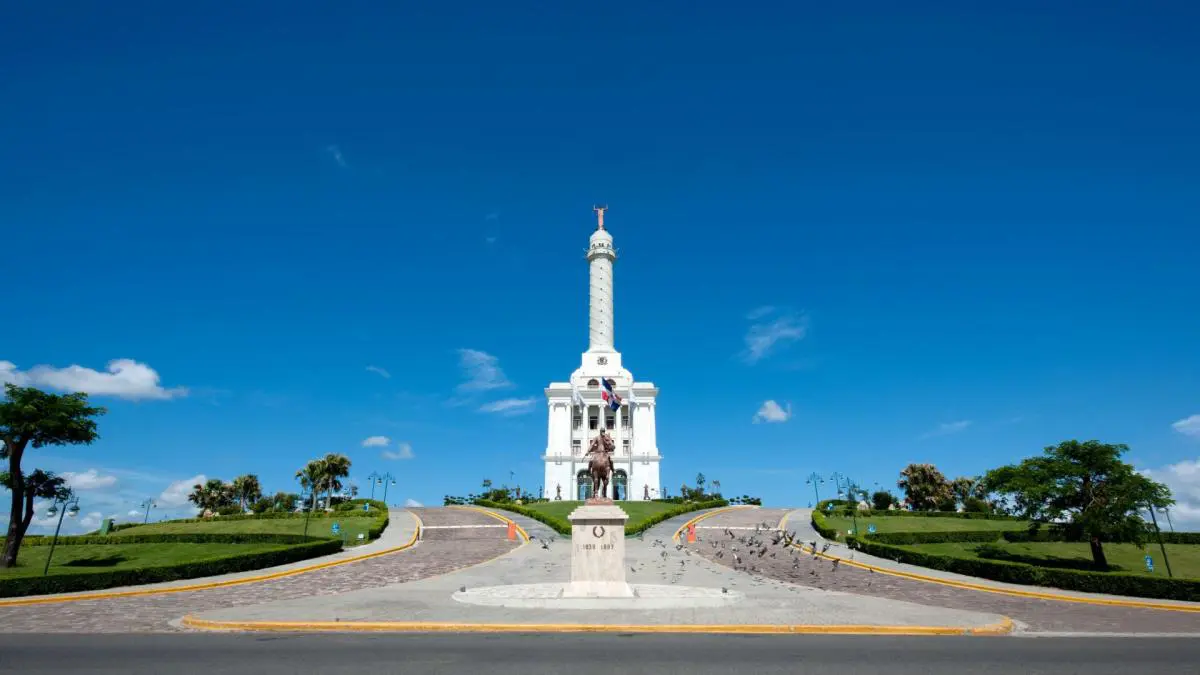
(600, 466)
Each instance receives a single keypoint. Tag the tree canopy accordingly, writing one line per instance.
(925, 488)
(32, 418)
(1084, 491)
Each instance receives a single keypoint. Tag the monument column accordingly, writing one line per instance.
(601, 256)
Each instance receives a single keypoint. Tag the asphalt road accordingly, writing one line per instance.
(182, 654)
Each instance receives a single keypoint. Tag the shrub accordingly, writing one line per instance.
(976, 505)
(89, 581)
(907, 538)
(1114, 583)
(178, 538)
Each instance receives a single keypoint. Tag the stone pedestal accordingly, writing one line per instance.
(598, 552)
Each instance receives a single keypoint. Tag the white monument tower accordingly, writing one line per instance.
(578, 409)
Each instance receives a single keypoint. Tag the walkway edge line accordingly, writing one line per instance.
(46, 600)
(520, 530)
(1003, 627)
(710, 514)
(1036, 595)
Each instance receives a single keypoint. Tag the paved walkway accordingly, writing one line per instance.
(154, 613)
(1031, 614)
(653, 559)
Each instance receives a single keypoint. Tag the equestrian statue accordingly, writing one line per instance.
(600, 465)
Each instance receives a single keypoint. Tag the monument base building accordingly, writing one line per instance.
(601, 394)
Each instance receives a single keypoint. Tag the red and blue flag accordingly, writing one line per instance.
(609, 396)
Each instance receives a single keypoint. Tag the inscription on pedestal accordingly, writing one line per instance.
(598, 552)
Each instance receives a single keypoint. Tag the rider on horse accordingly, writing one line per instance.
(600, 464)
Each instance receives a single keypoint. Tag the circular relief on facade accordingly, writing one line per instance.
(597, 531)
(602, 361)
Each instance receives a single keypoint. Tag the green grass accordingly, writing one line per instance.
(107, 557)
(920, 524)
(638, 512)
(350, 527)
(1185, 558)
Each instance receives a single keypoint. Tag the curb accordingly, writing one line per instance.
(520, 530)
(710, 514)
(1003, 627)
(1035, 595)
(46, 600)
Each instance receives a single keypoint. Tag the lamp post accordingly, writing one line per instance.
(373, 478)
(1160, 542)
(309, 510)
(385, 480)
(814, 479)
(1167, 513)
(70, 507)
(147, 505)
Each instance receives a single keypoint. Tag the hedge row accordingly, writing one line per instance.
(822, 526)
(90, 581)
(842, 506)
(1113, 583)
(564, 528)
(177, 538)
(906, 538)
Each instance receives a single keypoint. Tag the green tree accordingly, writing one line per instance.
(334, 468)
(700, 480)
(213, 495)
(924, 487)
(311, 478)
(246, 489)
(881, 500)
(962, 488)
(33, 418)
(1084, 491)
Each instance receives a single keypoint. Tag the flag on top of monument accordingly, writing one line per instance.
(576, 397)
(609, 396)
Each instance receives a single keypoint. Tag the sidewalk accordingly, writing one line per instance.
(401, 531)
(750, 604)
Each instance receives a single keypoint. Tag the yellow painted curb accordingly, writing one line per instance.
(1036, 595)
(710, 514)
(43, 600)
(1000, 628)
(520, 530)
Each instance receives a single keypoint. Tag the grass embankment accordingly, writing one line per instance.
(642, 515)
(1126, 558)
(97, 558)
(889, 524)
(350, 527)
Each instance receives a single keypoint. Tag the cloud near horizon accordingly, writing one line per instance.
(177, 492)
(481, 371)
(126, 378)
(402, 451)
(89, 480)
(1188, 426)
(770, 411)
(947, 428)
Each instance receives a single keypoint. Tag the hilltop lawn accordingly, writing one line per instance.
(92, 558)
(1185, 558)
(351, 527)
(921, 524)
(638, 512)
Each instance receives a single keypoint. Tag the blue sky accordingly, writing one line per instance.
(963, 234)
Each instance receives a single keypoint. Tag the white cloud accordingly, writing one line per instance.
(177, 492)
(482, 371)
(89, 480)
(412, 503)
(770, 411)
(402, 451)
(376, 442)
(125, 378)
(380, 372)
(135, 512)
(336, 152)
(1184, 480)
(1188, 426)
(91, 521)
(947, 428)
(509, 407)
(768, 335)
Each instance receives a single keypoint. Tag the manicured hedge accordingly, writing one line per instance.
(842, 506)
(178, 538)
(822, 526)
(90, 581)
(564, 528)
(1113, 583)
(905, 538)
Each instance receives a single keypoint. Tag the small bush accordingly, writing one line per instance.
(976, 505)
(881, 500)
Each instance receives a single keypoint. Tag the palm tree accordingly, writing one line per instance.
(334, 468)
(211, 496)
(247, 489)
(311, 477)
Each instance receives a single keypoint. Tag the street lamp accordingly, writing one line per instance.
(814, 479)
(1162, 548)
(373, 478)
(147, 505)
(70, 507)
(385, 480)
